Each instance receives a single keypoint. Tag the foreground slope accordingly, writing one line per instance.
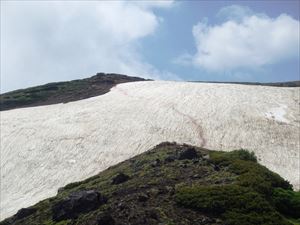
(173, 184)
(46, 147)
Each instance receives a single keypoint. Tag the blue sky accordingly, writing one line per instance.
(44, 41)
(176, 36)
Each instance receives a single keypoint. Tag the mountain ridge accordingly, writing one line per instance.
(99, 84)
(63, 92)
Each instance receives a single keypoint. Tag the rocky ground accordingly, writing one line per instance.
(172, 184)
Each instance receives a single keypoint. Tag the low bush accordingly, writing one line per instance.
(287, 202)
(225, 158)
(251, 174)
(258, 196)
(257, 177)
(235, 204)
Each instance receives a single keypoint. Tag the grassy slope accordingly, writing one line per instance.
(212, 188)
(62, 92)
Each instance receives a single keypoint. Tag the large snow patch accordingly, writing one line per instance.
(44, 148)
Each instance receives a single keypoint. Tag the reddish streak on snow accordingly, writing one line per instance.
(195, 123)
(190, 118)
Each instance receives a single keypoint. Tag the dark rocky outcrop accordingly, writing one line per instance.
(20, 215)
(143, 197)
(105, 219)
(170, 158)
(24, 212)
(188, 153)
(156, 163)
(120, 178)
(101, 219)
(76, 203)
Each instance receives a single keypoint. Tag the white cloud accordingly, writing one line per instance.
(250, 43)
(51, 41)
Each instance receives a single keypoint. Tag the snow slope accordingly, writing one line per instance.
(46, 147)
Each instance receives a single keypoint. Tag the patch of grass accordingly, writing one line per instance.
(225, 158)
(294, 221)
(236, 204)
(256, 195)
(251, 174)
(257, 177)
(287, 202)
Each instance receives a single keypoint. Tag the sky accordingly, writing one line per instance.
(50, 41)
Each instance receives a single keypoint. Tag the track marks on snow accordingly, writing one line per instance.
(171, 105)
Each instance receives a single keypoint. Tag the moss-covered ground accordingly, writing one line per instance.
(62, 92)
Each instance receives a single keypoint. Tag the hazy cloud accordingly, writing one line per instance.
(234, 12)
(51, 41)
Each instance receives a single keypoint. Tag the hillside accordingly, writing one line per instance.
(68, 91)
(63, 92)
(44, 148)
(173, 184)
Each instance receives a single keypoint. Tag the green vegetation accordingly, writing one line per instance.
(258, 196)
(251, 174)
(62, 92)
(222, 158)
(236, 205)
(287, 202)
(206, 187)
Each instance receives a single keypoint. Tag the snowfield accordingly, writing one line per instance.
(46, 147)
